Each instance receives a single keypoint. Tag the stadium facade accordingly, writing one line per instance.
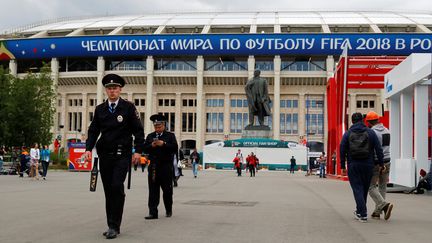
(193, 67)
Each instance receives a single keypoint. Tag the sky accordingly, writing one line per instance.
(17, 13)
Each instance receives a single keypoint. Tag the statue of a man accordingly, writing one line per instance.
(258, 98)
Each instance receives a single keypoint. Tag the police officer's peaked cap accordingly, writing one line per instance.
(113, 80)
(158, 119)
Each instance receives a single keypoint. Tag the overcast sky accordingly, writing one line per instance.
(16, 13)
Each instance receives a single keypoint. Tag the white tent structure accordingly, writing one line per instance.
(407, 89)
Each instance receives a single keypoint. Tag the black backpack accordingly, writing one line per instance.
(358, 145)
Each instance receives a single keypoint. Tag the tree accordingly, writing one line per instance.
(4, 94)
(28, 109)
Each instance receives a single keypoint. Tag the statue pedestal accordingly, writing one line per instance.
(257, 132)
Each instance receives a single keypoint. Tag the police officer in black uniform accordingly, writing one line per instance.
(161, 146)
(116, 120)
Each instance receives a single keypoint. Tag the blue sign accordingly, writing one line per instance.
(217, 44)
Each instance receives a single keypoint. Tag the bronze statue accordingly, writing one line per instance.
(258, 98)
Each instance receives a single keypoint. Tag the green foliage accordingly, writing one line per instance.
(26, 109)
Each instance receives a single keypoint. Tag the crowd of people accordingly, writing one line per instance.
(33, 161)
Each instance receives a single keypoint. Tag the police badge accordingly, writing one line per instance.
(120, 118)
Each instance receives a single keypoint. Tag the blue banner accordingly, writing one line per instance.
(216, 44)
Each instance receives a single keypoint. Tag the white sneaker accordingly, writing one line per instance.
(359, 217)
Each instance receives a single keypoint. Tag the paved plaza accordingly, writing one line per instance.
(216, 207)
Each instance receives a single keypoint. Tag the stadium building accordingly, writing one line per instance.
(193, 67)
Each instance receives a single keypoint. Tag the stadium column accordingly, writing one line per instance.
(63, 122)
(55, 78)
(330, 73)
(13, 67)
(276, 98)
(100, 75)
(199, 107)
(149, 94)
(226, 115)
(301, 115)
(178, 115)
(84, 117)
(251, 66)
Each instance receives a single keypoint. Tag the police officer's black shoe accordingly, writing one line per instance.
(111, 234)
(106, 232)
(151, 216)
(168, 214)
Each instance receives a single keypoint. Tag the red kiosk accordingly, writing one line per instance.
(357, 72)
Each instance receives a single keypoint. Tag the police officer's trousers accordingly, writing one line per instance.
(113, 170)
(157, 180)
(360, 176)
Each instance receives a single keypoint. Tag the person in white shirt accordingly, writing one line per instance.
(34, 161)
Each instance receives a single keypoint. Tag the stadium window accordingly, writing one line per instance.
(136, 102)
(142, 118)
(190, 103)
(172, 102)
(221, 103)
(371, 104)
(365, 104)
(166, 102)
(80, 102)
(359, 104)
(184, 102)
(288, 103)
(59, 102)
(160, 102)
(295, 103)
(90, 116)
(239, 103)
(70, 102)
(91, 102)
(233, 103)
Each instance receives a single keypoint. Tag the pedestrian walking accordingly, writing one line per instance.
(195, 158)
(322, 165)
(34, 161)
(24, 158)
(237, 165)
(358, 146)
(115, 120)
(380, 177)
(252, 162)
(161, 146)
(45, 159)
(293, 164)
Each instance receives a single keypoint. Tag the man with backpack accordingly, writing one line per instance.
(358, 146)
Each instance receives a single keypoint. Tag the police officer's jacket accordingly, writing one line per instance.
(161, 156)
(116, 129)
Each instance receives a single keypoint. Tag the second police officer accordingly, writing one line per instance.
(160, 145)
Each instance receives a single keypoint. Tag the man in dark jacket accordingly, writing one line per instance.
(358, 146)
(161, 146)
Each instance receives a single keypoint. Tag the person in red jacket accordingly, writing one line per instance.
(252, 161)
(237, 165)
